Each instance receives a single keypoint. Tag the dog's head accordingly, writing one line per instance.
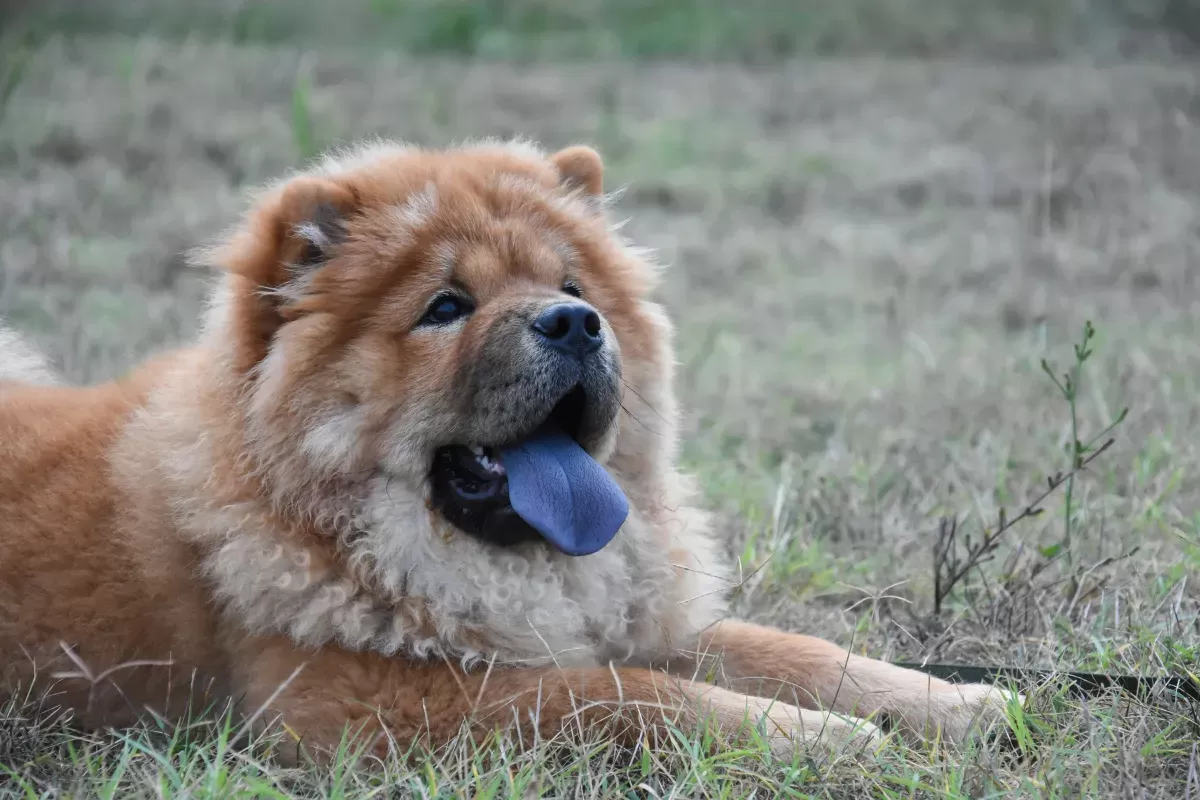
(437, 317)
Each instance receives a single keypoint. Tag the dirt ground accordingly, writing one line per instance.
(866, 261)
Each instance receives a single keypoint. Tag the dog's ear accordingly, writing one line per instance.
(322, 230)
(580, 166)
(291, 233)
(271, 258)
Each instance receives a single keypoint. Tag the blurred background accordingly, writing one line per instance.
(878, 218)
(756, 31)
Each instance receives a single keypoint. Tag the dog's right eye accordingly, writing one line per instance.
(446, 308)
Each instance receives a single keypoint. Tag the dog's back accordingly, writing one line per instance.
(70, 576)
(22, 363)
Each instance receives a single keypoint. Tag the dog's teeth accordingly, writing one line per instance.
(494, 467)
(476, 449)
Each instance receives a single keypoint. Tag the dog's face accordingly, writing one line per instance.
(421, 314)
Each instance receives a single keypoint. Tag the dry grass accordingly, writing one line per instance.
(868, 262)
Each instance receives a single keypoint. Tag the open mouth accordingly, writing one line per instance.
(542, 488)
(477, 472)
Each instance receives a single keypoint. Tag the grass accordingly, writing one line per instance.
(303, 133)
(755, 30)
(870, 261)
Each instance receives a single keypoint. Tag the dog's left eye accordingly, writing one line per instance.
(445, 309)
(572, 288)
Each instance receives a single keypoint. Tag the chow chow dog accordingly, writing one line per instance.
(414, 479)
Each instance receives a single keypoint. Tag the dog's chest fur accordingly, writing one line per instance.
(405, 583)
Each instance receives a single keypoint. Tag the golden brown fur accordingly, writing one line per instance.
(248, 515)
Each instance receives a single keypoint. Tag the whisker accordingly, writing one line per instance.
(639, 422)
(625, 383)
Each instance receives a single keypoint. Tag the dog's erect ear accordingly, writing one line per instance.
(580, 166)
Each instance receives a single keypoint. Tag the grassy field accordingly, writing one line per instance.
(869, 260)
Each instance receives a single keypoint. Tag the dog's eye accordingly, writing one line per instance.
(572, 288)
(446, 308)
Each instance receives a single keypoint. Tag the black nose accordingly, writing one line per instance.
(573, 328)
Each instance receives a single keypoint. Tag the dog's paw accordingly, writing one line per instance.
(960, 711)
(787, 726)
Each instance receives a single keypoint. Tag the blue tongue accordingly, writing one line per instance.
(555, 486)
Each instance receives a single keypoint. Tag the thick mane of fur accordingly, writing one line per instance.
(357, 558)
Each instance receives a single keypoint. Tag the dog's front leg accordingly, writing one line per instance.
(316, 695)
(815, 673)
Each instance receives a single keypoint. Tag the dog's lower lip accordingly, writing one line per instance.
(478, 490)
